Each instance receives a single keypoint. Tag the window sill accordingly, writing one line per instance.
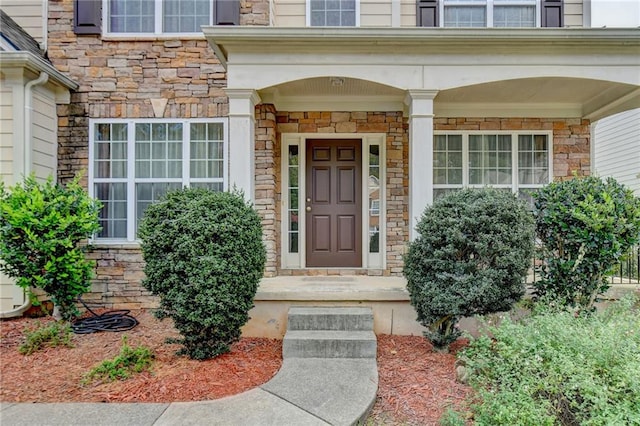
(124, 245)
(153, 37)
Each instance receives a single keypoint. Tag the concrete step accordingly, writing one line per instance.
(330, 318)
(329, 344)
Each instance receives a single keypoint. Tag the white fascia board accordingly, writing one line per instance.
(226, 39)
(27, 60)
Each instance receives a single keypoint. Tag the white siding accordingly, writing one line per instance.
(29, 14)
(290, 13)
(44, 133)
(573, 10)
(617, 148)
(407, 13)
(6, 134)
(375, 13)
(6, 175)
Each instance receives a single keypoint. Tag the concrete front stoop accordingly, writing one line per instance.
(329, 363)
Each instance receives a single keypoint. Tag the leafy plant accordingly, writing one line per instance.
(129, 361)
(471, 257)
(204, 258)
(585, 225)
(41, 225)
(555, 368)
(41, 336)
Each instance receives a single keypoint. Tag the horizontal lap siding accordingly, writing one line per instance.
(617, 148)
(573, 11)
(6, 134)
(28, 14)
(375, 13)
(44, 133)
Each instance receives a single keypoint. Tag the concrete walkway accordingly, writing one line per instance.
(306, 391)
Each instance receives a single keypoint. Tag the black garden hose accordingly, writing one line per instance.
(118, 320)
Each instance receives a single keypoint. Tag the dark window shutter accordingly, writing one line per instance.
(552, 13)
(87, 16)
(427, 13)
(227, 12)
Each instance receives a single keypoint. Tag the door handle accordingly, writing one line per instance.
(308, 208)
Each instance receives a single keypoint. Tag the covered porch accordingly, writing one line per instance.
(394, 92)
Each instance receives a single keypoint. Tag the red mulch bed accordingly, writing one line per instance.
(416, 384)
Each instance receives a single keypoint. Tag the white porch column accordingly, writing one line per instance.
(242, 123)
(420, 104)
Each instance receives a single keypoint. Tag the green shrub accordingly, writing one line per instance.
(41, 225)
(585, 225)
(129, 361)
(471, 257)
(41, 336)
(204, 258)
(555, 368)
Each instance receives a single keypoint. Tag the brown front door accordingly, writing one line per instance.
(333, 203)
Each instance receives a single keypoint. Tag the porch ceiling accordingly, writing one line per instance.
(533, 97)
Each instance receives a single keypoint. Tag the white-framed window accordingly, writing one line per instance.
(132, 163)
(514, 161)
(490, 13)
(157, 16)
(333, 13)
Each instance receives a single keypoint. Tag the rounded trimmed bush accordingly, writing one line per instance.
(204, 257)
(585, 225)
(471, 257)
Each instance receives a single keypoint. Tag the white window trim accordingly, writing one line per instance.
(308, 14)
(515, 187)
(131, 180)
(159, 4)
(488, 4)
(298, 260)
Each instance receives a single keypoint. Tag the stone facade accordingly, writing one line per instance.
(145, 77)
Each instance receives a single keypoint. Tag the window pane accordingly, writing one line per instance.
(131, 16)
(333, 13)
(206, 150)
(465, 16)
(185, 16)
(447, 159)
(490, 159)
(514, 16)
(110, 151)
(113, 214)
(148, 193)
(533, 160)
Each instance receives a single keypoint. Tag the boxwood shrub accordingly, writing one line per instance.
(471, 256)
(204, 258)
(585, 225)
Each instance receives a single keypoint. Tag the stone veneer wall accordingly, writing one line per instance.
(571, 138)
(397, 154)
(126, 78)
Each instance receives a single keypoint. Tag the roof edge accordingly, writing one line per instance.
(23, 59)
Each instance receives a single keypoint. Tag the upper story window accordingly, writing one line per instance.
(333, 13)
(135, 162)
(152, 17)
(490, 13)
